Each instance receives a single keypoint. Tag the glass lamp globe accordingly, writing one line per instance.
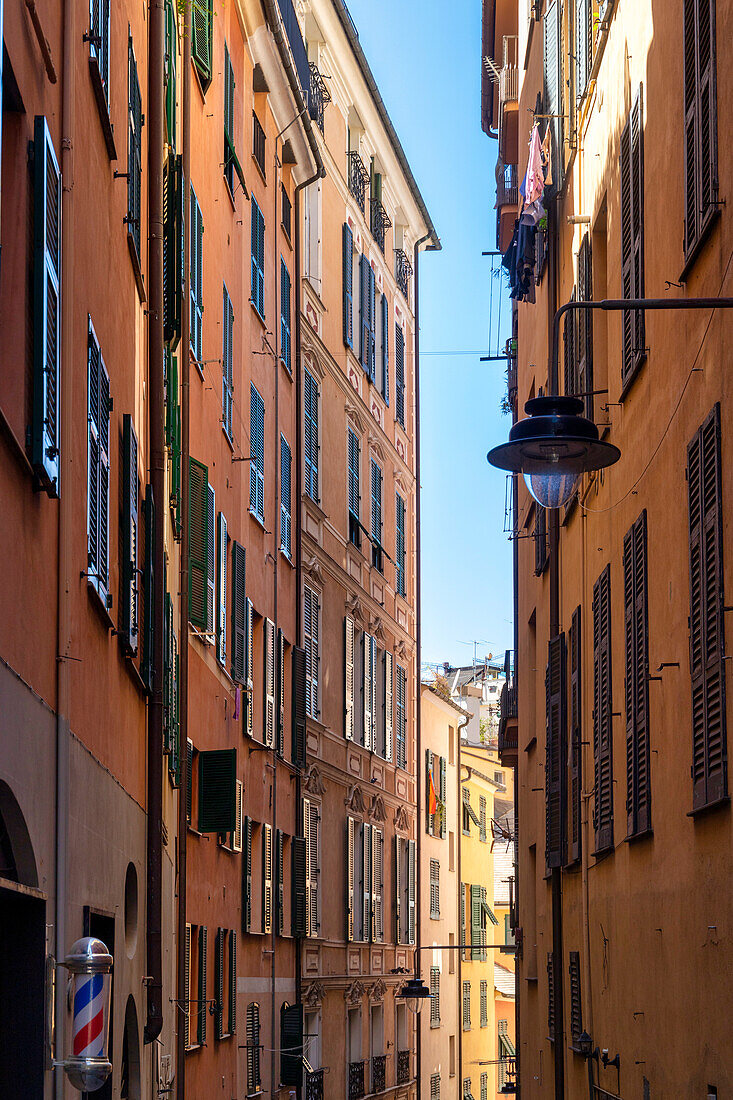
(551, 490)
(415, 993)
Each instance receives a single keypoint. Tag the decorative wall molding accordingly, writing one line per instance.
(314, 783)
(314, 994)
(377, 811)
(354, 800)
(401, 820)
(313, 569)
(354, 993)
(378, 990)
(355, 610)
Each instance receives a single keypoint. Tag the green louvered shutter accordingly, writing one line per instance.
(198, 542)
(201, 35)
(348, 285)
(239, 612)
(146, 667)
(46, 308)
(169, 71)
(210, 558)
(475, 922)
(172, 249)
(129, 601)
(291, 1045)
(217, 771)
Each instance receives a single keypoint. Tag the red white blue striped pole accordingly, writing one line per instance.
(90, 964)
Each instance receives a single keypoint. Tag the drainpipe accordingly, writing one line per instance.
(459, 800)
(183, 594)
(156, 447)
(65, 518)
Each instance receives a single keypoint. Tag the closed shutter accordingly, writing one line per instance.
(232, 1023)
(555, 748)
(602, 707)
(570, 351)
(583, 44)
(484, 1007)
(266, 878)
(349, 678)
(269, 682)
(576, 1013)
(217, 771)
(247, 874)
(707, 645)
(46, 308)
(201, 33)
(482, 818)
(169, 71)
(576, 770)
(632, 238)
(464, 927)
(310, 829)
(385, 348)
(210, 560)
(173, 273)
(280, 694)
(239, 823)
(129, 602)
(249, 666)
(99, 19)
(291, 1045)
(435, 1086)
(285, 316)
(364, 270)
(198, 543)
(200, 1006)
(541, 552)
(354, 489)
(636, 625)
(221, 590)
(376, 509)
(279, 886)
(401, 702)
(311, 628)
(400, 553)
(227, 362)
(388, 705)
(377, 884)
(310, 442)
(476, 922)
(585, 325)
(434, 888)
(398, 887)
(239, 608)
(299, 858)
(348, 285)
(366, 882)
(553, 97)
(134, 152)
(257, 446)
(350, 877)
(411, 891)
(231, 162)
(701, 121)
(550, 998)
(148, 626)
(285, 496)
(253, 1047)
(98, 469)
(399, 341)
(370, 689)
(257, 226)
(443, 810)
(218, 984)
(186, 1007)
(434, 996)
(196, 278)
(298, 696)
(467, 1012)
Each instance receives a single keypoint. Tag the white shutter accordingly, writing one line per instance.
(411, 891)
(378, 884)
(397, 890)
(248, 664)
(366, 840)
(349, 679)
(369, 690)
(221, 626)
(269, 670)
(311, 642)
(350, 878)
(237, 835)
(267, 876)
(187, 991)
(388, 711)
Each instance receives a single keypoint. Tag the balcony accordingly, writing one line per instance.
(509, 101)
(379, 1072)
(358, 178)
(314, 1084)
(403, 1067)
(511, 370)
(507, 1076)
(297, 45)
(356, 1080)
(507, 203)
(318, 97)
(508, 724)
(402, 271)
(379, 222)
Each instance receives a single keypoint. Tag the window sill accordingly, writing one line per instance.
(287, 557)
(699, 245)
(260, 169)
(99, 604)
(635, 372)
(137, 270)
(103, 108)
(643, 834)
(258, 315)
(259, 520)
(718, 804)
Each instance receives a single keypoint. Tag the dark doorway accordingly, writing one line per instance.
(22, 1001)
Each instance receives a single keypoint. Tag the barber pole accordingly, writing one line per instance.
(89, 1030)
(90, 964)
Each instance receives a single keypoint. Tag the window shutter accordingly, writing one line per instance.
(312, 868)
(129, 608)
(200, 1006)
(385, 348)
(279, 885)
(467, 1020)
(550, 998)
(583, 44)
(354, 490)
(311, 614)
(399, 340)
(707, 645)
(350, 879)
(187, 991)
(196, 278)
(239, 612)
(464, 939)
(366, 885)
(348, 285)
(576, 771)
(552, 98)
(443, 813)
(602, 707)
(411, 891)
(285, 496)
(170, 63)
(253, 1047)
(217, 791)
(46, 308)
(99, 14)
(249, 666)
(349, 678)
(398, 842)
(371, 348)
(269, 682)
(299, 885)
(201, 36)
(173, 273)
(218, 985)
(638, 793)
(257, 446)
(310, 448)
(364, 270)
(232, 1024)
(221, 591)
(285, 315)
(198, 543)
(134, 152)
(570, 349)
(237, 834)
(378, 884)
(210, 560)
(555, 762)
(258, 256)
(701, 123)
(632, 238)
(429, 818)
(280, 693)
(482, 818)
(98, 469)
(227, 362)
(370, 691)
(189, 779)
(576, 1014)
(476, 922)
(585, 325)
(299, 707)
(541, 553)
(146, 666)
(388, 705)
(401, 717)
(266, 878)
(291, 1045)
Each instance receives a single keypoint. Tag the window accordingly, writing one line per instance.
(636, 619)
(541, 549)
(576, 1014)
(285, 210)
(435, 1086)
(507, 1055)
(197, 278)
(602, 719)
(575, 737)
(130, 538)
(369, 690)
(553, 88)
(134, 152)
(269, 681)
(46, 309)
(354, 493)
(349, 678)
(231, 161)
(399, 343)
(584, 324)
(312, 834)
(311, 632)
(367, 317)
(221, 589)
(267, 878)
(258, 143)
(173, 272)
(98, 470)
(211, 564)
(285, 495)
(348, 285)
(584, 34)
(384, 309)
(484, 993)
(171, 723)
(217, 783)
(225, 982)
(227, 363)
(632, 239)
(254, 1080)
(707, 640)
(405, 889)
(484, 1086)
(285, 353)
(434, 888)
(239, 612)
(257, 461)
(258, 259)
(400, 552)
(435, 793)
(310, 400)
(312, 234)
(401, 716)
(169, 71)
(99, 45)
(701, 122)
(365, 882)
(482, 818)
(376, 515)
(201, 36)
(466, 1006)
(555, 752)
(550, 998)
(434, 996)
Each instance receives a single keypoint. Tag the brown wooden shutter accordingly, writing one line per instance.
(541, 555)
(602, 707)
(632, 238)
(576, 1012)
(570, 357)
(298, 697)
(550, 998)
(638, 792)
(576, 769)
(709, 737)
(701, 123)
(247, 875)
(555, 750)
(585, 325)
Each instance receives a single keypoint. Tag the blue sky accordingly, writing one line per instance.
(427, 64)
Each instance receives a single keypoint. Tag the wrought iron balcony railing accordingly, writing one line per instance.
(507, 191)
(379, 1068)
(358, 178)
(402, 270)
(318, 96)
(379, 222)
(403, 1067)
(507, 1076)
(314, 1085)
(508, 710)
(356, 1080)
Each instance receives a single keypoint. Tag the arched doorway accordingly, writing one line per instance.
(130, 1074)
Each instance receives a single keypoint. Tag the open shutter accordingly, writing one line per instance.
(217, 791)
(399, 339)
(576, 1013)
(46, 308)
(585, 325)
(129, 608)
(196, 240)
(443, 814)
(313, 915)
(237, 834)
(576, 773)
(257, 444)
(232, 1024)
(201, 36)
(348, 285)
(550, 998)
(377, 884)
(707, 668)
(398, 889)
(602, 707)
(267, 878)
(279, 884)
(291, 1045)
(221, 592)
(172, 248)
(553, 99)
(210, 559)
(239, 618)
(253, 1047)
(189, 779)
(476, 922)
(388, 705)
(632, 238)
(429, 818)
(249, 666)
(366, 883)
(186, 1008)
(368, 688)
(285, 315)
(285, 496)
(701, 128)
(218, 984)
(350, 883)
(411, 891)
(349, 678)
(169, 72)
(298, 696)
(583, 44)
(637, 679)
(311, 615)
(385, 348)
(372, 315)
(280, 694)
(146, 666)
(364, 270)
(299, 885)
(269, 682)
(570, 349)
(310, 441)
(555, 762)
(201, 1008)
(198, 542)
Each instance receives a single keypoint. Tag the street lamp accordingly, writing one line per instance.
(415, 992)
(552, 447)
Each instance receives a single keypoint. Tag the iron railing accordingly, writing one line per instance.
(358, 178)
(509, 75)
(314, 1085)
(356, 1080)
(379, 1072)
(511, 383)
(508, 710)
(403, 1067)
(507, 1075)
(379, 222)
(297, 45)
(318, 96)
(402, 270)
(507, 190)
